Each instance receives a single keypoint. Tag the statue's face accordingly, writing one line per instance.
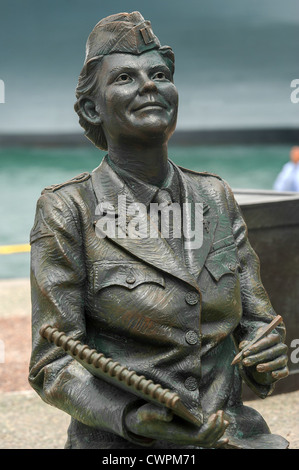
(136, 97)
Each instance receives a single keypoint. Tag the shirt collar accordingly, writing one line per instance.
(145, 192)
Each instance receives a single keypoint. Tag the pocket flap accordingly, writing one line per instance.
(128, 274)
(224, 261)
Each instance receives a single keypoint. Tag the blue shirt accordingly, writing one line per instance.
(288, 178)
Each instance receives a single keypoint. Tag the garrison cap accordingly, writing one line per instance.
(122, 33)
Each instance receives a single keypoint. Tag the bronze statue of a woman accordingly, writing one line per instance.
(173, 311)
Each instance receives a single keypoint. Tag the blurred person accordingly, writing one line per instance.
(288, 178)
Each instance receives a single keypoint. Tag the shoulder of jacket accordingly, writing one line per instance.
(77, 179)
(200, 173)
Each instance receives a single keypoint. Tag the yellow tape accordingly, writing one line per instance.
(11, 249)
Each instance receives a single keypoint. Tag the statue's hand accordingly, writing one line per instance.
(266, 359)
(159, 423)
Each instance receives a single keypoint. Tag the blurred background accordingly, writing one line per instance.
(235, 61)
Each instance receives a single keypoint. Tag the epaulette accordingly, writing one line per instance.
(201, 173)
(77, 179)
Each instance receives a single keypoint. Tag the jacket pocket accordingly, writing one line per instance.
(129, 274)
(223, 261)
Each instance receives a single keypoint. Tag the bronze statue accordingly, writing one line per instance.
(173, 310)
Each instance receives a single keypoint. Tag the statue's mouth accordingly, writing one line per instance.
(150, 104)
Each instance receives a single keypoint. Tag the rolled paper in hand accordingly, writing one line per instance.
(268, 328)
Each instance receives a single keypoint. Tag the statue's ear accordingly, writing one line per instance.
(88, 110)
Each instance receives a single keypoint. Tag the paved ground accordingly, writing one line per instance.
(28, 423)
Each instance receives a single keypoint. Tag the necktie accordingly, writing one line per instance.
(169, 216)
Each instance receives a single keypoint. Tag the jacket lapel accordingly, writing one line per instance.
(204, 222)
(150, 247)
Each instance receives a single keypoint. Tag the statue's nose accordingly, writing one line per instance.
(147, 86)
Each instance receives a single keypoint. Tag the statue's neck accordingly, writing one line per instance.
(148, 163)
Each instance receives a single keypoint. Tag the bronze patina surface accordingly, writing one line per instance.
(175, 309)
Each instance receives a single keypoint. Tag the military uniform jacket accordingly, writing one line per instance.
(175, 321)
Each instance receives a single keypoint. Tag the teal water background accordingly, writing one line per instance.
(235, 60)
(25, 172)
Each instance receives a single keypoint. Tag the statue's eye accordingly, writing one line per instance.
(159, 76)
(123, 77)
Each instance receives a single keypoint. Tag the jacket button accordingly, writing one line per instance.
(191, 298)
(191, 337)
(191, 383)
(131, 279)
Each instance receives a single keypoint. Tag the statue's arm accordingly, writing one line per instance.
(257, 308)
(58, 280)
